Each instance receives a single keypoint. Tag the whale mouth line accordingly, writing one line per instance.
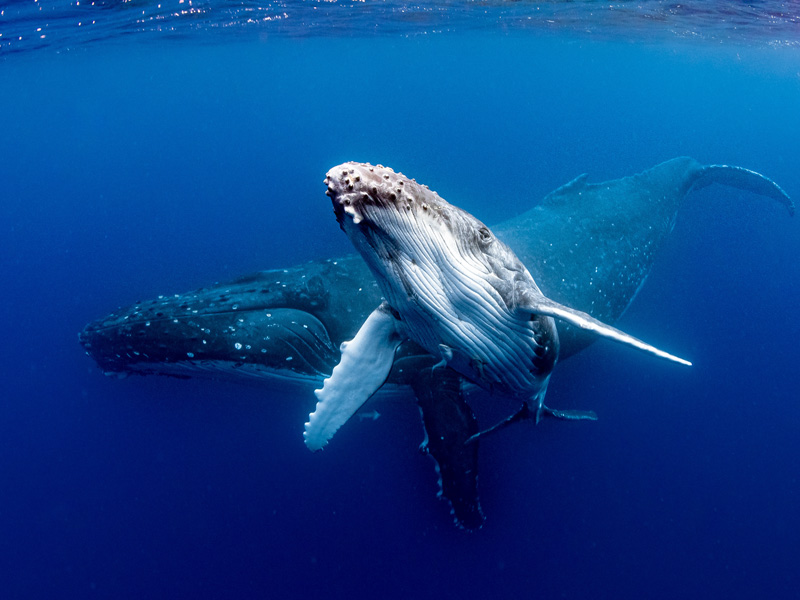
(221, 367)
(123, 321)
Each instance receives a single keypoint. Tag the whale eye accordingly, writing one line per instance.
(485, 235)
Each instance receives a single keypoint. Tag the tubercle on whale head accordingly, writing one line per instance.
(355, 187)
(394, 221)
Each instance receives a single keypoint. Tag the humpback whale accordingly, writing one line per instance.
(593, 243)
(450, 286)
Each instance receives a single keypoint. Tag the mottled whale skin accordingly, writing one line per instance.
(282, 324)
(589, 245)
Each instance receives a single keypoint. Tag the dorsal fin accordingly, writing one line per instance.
(571, 186)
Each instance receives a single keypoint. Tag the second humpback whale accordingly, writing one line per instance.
(596, 244)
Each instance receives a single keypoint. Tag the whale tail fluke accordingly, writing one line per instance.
(744, 179)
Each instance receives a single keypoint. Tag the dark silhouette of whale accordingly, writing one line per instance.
(587, 245)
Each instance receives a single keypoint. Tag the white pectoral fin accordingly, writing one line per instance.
(365, 364)
(545, 306)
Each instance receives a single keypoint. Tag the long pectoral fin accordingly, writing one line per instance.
(362, 370)
(526, 413)
(569, 414)
(545, 306)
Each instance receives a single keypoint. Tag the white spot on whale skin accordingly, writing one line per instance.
(238, 346)
(190, 354)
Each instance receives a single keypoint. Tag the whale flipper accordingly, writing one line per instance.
(365, 364)
(744, 179)
(544, 306)
(525, 413)
(569, 414)
(449, 423)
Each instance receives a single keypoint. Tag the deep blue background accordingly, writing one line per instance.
(128, 171)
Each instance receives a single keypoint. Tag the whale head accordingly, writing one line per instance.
(400, 219)
(401, 227)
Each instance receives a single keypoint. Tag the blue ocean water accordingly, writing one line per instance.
(149, 156)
